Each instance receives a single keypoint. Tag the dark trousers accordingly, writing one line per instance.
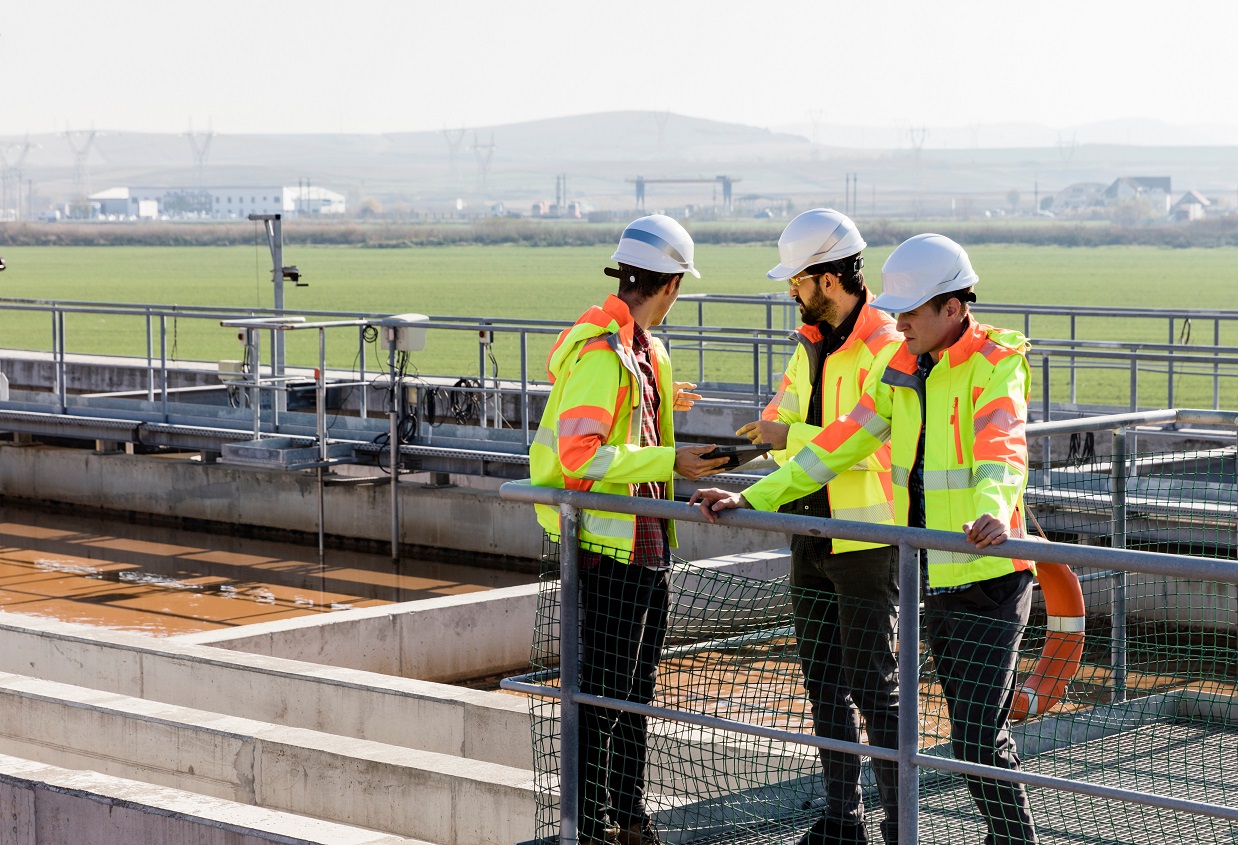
(623, 627)
(845, 619)
(974, 636)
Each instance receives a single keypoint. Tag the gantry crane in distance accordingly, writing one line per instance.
(727, 181)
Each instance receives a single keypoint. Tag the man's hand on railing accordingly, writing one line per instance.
(683, 399)
(690, 464)
(711, 500)
(766, 431)
(987, 530)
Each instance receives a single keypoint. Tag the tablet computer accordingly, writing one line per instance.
(738, 455)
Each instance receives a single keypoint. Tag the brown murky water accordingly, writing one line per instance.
(165, 581)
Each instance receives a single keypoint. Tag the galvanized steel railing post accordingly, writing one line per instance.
(909, 694)
(1072, 360)
(1216, 367)
(1117, 490)
(163, 366)
(320, 393)
(394, 444)
(569, 673)
(62, 370)
(700, 344)
(756, 374)
(524, 385)
(254, 341)
(365, 387)
(1134, 380)
(1170, 367)
(1044, 407)
(150, 359)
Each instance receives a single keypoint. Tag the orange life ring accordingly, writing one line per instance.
(1059, 661)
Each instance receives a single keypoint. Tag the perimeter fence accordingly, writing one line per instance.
(1138, 748)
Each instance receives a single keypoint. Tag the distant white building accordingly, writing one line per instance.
(220, 203)
(1153, 190)
(1192, 206)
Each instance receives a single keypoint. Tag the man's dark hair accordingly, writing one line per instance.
(638, 281)
(849, 270)
(964, 296)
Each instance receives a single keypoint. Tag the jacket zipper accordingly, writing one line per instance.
(958, 437)
(838, 395)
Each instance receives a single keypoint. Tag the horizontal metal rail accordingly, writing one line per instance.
(908, 755)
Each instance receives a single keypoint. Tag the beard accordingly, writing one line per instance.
(818, 310)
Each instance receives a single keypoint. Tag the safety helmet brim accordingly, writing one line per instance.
(899, 304)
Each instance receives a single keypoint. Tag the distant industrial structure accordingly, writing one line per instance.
(217, 203)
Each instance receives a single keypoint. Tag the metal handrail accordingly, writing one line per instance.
(908, 540)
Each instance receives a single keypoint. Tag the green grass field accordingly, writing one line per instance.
(557, 283)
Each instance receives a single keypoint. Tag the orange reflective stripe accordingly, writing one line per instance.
(581, 431)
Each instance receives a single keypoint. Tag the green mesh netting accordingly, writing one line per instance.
(1165, 722)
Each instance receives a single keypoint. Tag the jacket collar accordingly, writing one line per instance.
(618, 310)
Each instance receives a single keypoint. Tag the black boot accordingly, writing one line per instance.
(831, 831)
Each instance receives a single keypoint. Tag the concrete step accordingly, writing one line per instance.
(486, 726)
(49, 805)
(439, 798)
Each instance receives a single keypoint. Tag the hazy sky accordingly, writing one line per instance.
(384, 66)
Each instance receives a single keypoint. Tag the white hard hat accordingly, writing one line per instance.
(814, 237)
(919, 269)
(656, 243)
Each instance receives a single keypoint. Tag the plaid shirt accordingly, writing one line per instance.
(650, 545)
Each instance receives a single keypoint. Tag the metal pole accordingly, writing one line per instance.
(481, 369)
(909, 694)
(1169, 399)
(163, 365)
(1117, 490)
(524, 385)
(700, 343)
(62, 374)
(277, 340)
(569, 673)
(1216, 368)
(1044, 369)
(365, 387)
(255, 370)
(394, 442)
(1073, 394)
(1134, 381)
(756, 376)
(320, 393)
(150, 359)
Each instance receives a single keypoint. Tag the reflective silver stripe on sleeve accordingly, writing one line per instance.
(937, 556)
(899, 475)
(660, 244)
(1000, 418)
(1000, 473)
(577, 426)
(606, 526)
(811, 464)
(947, 479)
(601, 462)
(879, 512)
(788, 402)
(545, 437)
(878, 428)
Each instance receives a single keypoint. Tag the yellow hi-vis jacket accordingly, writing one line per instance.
(589, 434)
(975, 446)
(863, 493)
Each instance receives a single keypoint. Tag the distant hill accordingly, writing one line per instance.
(518, 164)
